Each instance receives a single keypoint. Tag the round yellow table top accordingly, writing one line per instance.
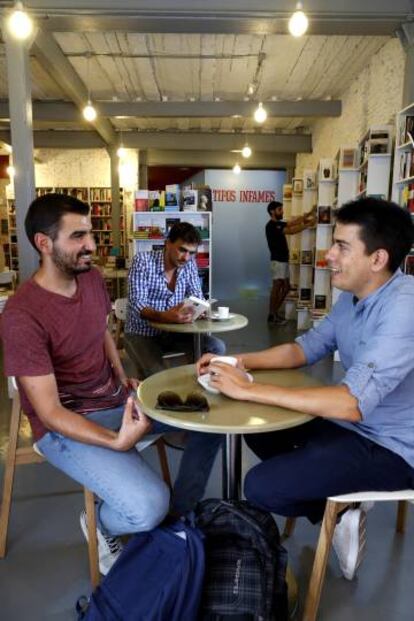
(201, 326)
(226, 415)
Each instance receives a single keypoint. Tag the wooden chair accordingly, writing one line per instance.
(334, 505)
(16, 455)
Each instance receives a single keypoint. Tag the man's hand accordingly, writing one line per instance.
(230, 381)
(181, 313)
(130, 383)
(135, 425)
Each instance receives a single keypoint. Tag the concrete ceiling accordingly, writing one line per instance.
(184, 68)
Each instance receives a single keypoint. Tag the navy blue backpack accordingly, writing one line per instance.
(158, 577)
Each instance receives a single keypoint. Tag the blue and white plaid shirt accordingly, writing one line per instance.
(148, 288)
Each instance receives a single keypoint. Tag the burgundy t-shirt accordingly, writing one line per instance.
(44, 332)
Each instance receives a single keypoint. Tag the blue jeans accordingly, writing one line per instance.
(133, 497)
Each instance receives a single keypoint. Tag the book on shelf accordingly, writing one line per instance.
(287, 191)
(327, 170)
(324, 214)
(205, 198)
(306, 257)
(169, 223)
(141, 199)
(348, 157)
(320, 259)
(156, 200)
(309, 180)
(189, 199)
(320, 302)
(172, 200)
(297, 186)
(305, 294)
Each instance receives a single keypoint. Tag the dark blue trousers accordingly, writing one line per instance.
(304, 465)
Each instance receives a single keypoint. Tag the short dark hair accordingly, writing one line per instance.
(382, 224)
(185, 231)
(272, 206)
(45, 212)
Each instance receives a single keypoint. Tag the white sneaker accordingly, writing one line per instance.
(109, 548)
(349, 541)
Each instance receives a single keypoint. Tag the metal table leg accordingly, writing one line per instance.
(232, 467)
(197, 347)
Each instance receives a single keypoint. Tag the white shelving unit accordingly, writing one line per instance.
(375, 162)
(347, 186)
(291, 299)
(307, 253)
(403, 174)
(150, 229)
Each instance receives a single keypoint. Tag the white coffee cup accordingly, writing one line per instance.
(223, 312)
(231, 360)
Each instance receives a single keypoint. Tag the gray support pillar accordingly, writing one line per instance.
(20, 105)
(143, 170)
(406, 36)
(116, 202)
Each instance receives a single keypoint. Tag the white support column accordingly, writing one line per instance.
(116, 204)
(20, 106)
(143, 169)
(406, 36)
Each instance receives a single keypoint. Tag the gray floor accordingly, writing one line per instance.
(46, 567)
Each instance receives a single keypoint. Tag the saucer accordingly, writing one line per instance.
(204, 381)
(215, 317)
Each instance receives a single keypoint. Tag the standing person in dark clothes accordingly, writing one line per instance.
(276, 231)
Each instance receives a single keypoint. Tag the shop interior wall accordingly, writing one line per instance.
(373, 98)
(240, 257)
(82, 168)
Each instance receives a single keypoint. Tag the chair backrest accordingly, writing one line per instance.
(121, 305)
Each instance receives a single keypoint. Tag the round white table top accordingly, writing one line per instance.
(226, 415)
(201, 326)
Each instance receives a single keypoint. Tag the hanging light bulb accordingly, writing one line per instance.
(298, 23)
(89, 112)
(121, 151)
(11, 171)
(20, 24)
(246, 151)
(237, 169)
(260, 114)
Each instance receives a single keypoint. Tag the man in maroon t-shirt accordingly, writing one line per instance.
(73, 386)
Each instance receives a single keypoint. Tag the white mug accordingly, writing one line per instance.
(231, 360)
(223, 312)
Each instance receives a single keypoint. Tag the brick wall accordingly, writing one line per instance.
(373, 98)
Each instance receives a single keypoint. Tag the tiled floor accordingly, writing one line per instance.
(46, 568)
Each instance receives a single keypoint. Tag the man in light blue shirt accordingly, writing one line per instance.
(362, 437)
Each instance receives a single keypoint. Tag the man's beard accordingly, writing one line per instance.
(65, 263)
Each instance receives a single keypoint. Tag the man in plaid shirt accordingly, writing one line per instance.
(158, 283)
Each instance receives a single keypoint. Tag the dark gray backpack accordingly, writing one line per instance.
(245, 563)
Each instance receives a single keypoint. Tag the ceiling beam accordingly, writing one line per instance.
(221, 22)
(221, 159)
(53, 60)
(174, 141)
(67, 111)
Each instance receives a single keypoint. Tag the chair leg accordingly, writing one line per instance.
(92, 540)
(289, 527)
(162, 456)
(401, 516)
(9, 469)
(321, 559)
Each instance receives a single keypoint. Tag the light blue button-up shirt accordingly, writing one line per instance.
(375, 339)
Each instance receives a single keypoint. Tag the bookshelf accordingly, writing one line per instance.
(375, 162)
(150, 230)
(11, 255)
(403, 173)
(347, 180)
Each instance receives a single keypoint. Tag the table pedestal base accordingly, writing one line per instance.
(232, 467)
